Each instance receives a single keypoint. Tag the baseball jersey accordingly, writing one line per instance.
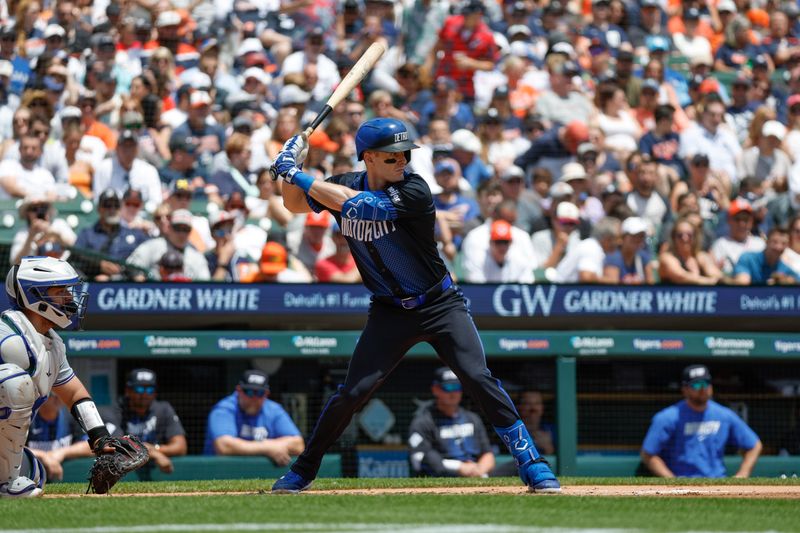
(227, 419)
(396, 257)
(691, 443)
(159, 424)
(47, 435)
(439, 443)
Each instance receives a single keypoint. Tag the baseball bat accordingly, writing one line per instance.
(350, 81)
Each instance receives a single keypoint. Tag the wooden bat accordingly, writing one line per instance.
(350, 81)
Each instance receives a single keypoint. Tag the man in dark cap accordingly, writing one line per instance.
(247, 423)
(444, 438)
(688, 439)
(153, 421)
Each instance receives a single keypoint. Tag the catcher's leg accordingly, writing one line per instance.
(21, 474)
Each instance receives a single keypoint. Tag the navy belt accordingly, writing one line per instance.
(412, 302)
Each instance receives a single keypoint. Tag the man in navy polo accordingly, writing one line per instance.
(247, 423)
(688, 439)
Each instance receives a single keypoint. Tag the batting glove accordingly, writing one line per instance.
(283, 164)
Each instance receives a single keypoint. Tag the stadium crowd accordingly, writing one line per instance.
(594, 141)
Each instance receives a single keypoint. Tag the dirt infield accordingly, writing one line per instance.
(689, 491)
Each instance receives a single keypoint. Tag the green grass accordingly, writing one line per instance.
(643, 513)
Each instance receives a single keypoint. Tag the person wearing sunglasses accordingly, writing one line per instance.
(388, 216)
(154, 421)
(446, 440)
(247, 422)
(688, 439)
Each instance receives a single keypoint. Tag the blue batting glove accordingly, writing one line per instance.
(282, 164)
(295, 145)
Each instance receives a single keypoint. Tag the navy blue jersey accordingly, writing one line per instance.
(48, 435)
(396, 257)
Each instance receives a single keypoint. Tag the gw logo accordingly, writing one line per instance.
(401, 136)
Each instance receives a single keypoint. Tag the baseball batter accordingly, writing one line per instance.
(45, 293)
(387, 215)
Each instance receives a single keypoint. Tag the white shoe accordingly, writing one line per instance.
(22, 487)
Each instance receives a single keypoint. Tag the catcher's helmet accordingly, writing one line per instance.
(383, 135)
(27, 284)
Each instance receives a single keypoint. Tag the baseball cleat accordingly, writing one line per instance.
(539, 478)
(21, 487)
(291, 483)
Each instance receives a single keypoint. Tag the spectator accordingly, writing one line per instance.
(551, 245)
(791, 257)
(644, 199)
(683, 262)
(220, 257)
(238, 176)
(110, 238)
(38, 213)
(563, 103)
(26, 176)
(125, 170)
(554, 148)
(531, 410)
(269, 202)
(727, 249)
(176, 236)
(314, 242)
(273, 267)
(661, 143)
(712, 189)
(339, 267)
(154, 421)
(444, 438)
(87, 103)
(632, 263)
(452, 207)
(786, 205)
(584, 263)
(170, 268)
(766, 161)
(248, 423)
(574, 174)
(615, 120)
(688, 439)
(500, 266)
(313, 53)
(766, 267)
(55, 436)
(708, 135)
(742, 108)
(489, 196)
(131, 212)
(210, 138)
(183, 165)
(466, 151)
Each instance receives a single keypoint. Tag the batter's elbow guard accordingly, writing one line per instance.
(369, 206)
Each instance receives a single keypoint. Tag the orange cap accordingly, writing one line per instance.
(501, 231)
(273, 258)
(320, 139)
(318, 220)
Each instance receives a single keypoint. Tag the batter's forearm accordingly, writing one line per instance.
(294, 199)
(331, 195)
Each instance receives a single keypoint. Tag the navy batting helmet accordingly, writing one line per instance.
(383, 135)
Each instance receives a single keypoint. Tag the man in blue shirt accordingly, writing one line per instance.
(247, 423)
(55, 436)
(688, 439)
(766, 267)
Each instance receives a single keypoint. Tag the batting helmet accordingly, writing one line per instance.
(383, 135)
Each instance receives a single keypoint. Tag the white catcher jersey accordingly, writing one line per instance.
(44, 357)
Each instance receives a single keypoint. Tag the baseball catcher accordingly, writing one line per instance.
(46, 293)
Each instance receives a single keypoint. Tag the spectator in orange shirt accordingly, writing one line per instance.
(340, 267)
(87, 102)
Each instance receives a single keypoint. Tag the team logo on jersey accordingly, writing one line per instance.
(367, 230)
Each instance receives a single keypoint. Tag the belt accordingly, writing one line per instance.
(412, 302)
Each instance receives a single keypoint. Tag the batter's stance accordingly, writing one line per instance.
(387, 215)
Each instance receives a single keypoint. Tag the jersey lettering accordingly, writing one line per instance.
(457, 431)
(367, 230)
(702, 429)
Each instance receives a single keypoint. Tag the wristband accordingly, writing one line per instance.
(85, 412)
(301, 179)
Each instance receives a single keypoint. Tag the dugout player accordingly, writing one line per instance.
(44, 293)
(444, 438)
(55, 436)
(688, 439)
(387, 215)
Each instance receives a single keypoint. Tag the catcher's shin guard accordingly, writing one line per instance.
(31, 481)
(17, 396)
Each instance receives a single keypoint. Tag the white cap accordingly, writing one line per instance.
(568, 212)
(168, 18)
(257, 73)
(634, 226)
(6, 68)
(572, 171)
(560, 189)
(727, 5)
(181, 216)
(466, 140)
(218, 217)
(249, 45)
(773, 128)
(199, 98)
(70, 112)
(54, 29)
(292, 94)
(199, 80)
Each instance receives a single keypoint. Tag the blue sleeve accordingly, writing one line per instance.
(741, 435)
(646, 143)
(661, 430)
(82, 240)
(615, 260)
(746, 264)
(221, 422)
(282, 424)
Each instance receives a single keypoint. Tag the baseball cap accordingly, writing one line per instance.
(586, 148)
(651, 84)
(249, 46)
(51, 249)
(739, 205)
(760, 61)
(726, 5)
(200, 99)
(703, 58)
(634, 226)
(186, 144)
(691, 14)
(741, 79)
(560, 189)
(127, 136)
(709, 86)
(254, 380)
(572, 171)
(512, 172)
(444, 83)
(793, 100)
(446, 379)
(466, 140)
(500, 231)
(320, 139)
(54, 30)
(168, 18)
(472, 6)
(444, 165)
(219, 217)
(181, 217)
(517, 29)
(694, 374)
(179, 185)
(273, 258)
(318, 220)
(172, 259)
(700, 159)
(773, 128)
(292, 94)
(258, 74)
(131, 118)
(141, 376)
(108, 195)
(657, 43)
(568, 213)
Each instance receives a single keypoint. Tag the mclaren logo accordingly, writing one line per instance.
(402, 136)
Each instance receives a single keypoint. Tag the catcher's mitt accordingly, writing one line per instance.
(129, 454)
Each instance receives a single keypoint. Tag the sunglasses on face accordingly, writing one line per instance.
(133, 126)
(109, 205)
(181, 229)
(133, 204)
(700, 385)
(685, 235)
(141, 389)
(252, 393)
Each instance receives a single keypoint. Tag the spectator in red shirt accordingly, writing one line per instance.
(468, 45)
(340, 267)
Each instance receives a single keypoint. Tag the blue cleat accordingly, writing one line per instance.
(539, 478)
(291, 483)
